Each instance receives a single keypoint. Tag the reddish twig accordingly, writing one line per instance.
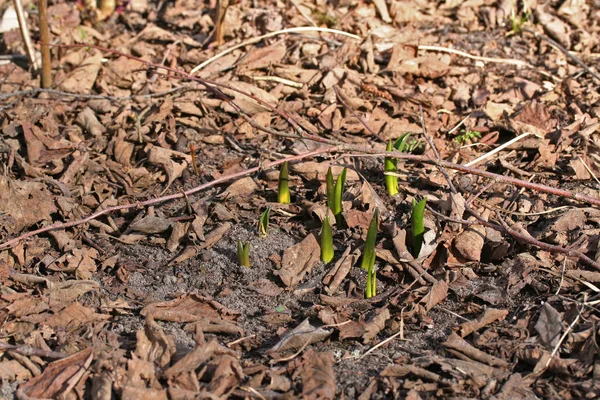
(15, 241)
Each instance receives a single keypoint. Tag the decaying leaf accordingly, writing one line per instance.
(299, 337)
(318, 377)
(24, 204)
(299, 260)
(59, 377)
(489, 315)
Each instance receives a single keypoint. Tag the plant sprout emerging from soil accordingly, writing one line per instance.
(335, 192)
(243, 253)
(417, 225)
(368, 258)
(283, 189)
(391, 164)
(467, 136)
(326, 241)
(263, 224)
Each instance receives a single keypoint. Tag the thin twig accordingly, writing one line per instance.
(162, 199)
(271, 34)
(566, 52)
(35, 91)
(18, 4)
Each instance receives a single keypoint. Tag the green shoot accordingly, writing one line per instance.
(368, 258)
(326, 241)
(417, 226)
(263, 225)
(389, 165)
(466, 136)
(243, 253)
(334, 194)
(283, 189)
(330, 190)
(518, 21)
(402, 144)
(339, 191)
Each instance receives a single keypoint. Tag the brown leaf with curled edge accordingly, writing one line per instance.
(469, 242)
(371, 198)
(318, 376)
(150, 224)
(489, 315)
(86, 65)
(76, 315)
(188, 308)
(153, 344)
(264, 57)
(340, 270)
(437, 294)
(58, 377)
(88, 121)
(299, 260)
(457, 343)
(174, 162)
(41, 147)
(479, 374)
(12, 370)
(24, 204)
(549, 326)
(228, 374)
(240, 188)
(301, 336)
(69, 291)
(375, 325)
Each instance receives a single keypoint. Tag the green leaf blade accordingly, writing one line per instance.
(417, 225)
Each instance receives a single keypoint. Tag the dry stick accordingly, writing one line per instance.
(35, 91)
(271, 34)
(505, 228)
(566, 52)
(336, 146)
(213, 87)
(354, 114)
(46, 78)
(18, 4)
(162, 199)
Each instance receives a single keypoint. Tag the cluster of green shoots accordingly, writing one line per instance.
(335, 191)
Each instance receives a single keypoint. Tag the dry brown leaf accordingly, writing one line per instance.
(299, 337)
(76, 315)
(241, 188)
(549, 326)
(375, 325)
(88, 121)
(58, 376)
(489, 315)
(437, 294)
(174, 162)
(299, 260)
(68, 291)
(85, 65)
(150, 224)
(154, 345)
(12, 370)
(258, 58)
(188, 308)
(24, 204)
(318, 376)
